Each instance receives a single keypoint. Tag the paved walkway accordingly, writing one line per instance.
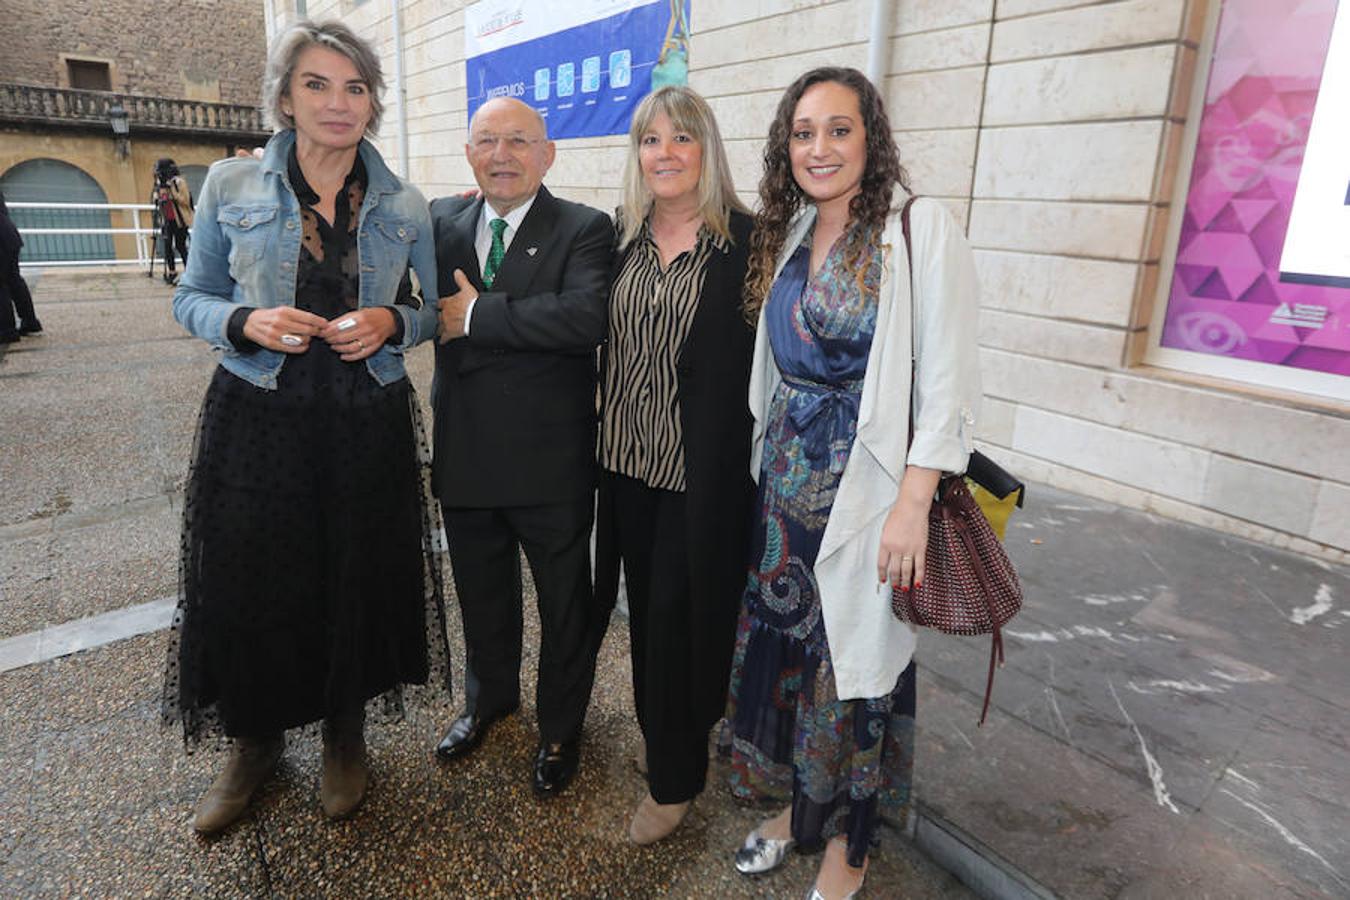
(1172, 719)
(98, 416)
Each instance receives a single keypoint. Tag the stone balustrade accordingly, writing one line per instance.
(25, 103)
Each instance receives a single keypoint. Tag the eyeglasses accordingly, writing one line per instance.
(516, 143)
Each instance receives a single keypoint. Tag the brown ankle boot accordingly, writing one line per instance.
(251, 761)
(343, 786)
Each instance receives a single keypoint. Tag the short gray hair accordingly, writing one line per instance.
(286, 50)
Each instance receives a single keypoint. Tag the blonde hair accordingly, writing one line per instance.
(689, 113)
(285, 54)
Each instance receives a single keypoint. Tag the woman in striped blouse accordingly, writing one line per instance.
(675, 493)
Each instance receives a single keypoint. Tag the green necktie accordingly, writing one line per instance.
(495, 252)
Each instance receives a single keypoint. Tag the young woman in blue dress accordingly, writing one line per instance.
(850, 347)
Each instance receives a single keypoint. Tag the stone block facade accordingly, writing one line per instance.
(210, 50)
(1053, 129)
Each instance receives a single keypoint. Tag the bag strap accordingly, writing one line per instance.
(909, 257)
(996, 644)
(961, 527)
(913, 354)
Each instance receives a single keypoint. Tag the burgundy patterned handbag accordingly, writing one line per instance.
(969, 584)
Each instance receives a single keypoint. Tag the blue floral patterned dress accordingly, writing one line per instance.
(842, 763)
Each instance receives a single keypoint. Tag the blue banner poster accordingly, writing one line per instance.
(584, 64)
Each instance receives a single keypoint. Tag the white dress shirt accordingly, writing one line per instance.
(482, 242)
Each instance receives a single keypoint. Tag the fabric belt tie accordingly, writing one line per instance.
(825, 416)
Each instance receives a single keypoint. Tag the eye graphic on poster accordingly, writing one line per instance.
(584, 64)
(1260, 285)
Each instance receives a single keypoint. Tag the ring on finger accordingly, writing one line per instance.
(361, 343)
(345, 324)
(291, 340)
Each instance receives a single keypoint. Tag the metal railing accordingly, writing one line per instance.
(143, 236)
(69, 106)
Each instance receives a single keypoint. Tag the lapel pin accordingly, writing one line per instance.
(532, 250)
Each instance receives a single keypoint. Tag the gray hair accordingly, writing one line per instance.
(285, 53)
(689, 113)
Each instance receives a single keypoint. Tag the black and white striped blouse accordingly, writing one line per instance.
(650, 313)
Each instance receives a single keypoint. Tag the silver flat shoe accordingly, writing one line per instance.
(815, 894)
(760, 854)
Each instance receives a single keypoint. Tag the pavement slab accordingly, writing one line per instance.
(107, 796)
(27, 579)
(1075, 825)
(92, 564)
(1150, 660)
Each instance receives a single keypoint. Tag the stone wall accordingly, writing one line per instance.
(194, 49)
(126, 179)
(1053, 129)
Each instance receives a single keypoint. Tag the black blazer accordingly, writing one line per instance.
(514, 402)
(713, 374)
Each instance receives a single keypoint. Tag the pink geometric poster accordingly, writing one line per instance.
(1227, 295)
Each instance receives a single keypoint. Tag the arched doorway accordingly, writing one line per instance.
(195, 176)
(54, 181)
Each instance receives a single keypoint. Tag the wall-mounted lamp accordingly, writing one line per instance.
(121, 127)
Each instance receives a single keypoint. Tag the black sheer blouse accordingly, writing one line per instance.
(328, 272)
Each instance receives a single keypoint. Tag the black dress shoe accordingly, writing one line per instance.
(466, 733)
(9, 337)
(554, 767)
(34, 327)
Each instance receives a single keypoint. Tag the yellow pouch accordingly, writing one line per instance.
(995, 510)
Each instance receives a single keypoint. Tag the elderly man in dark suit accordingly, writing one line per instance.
(524, 287)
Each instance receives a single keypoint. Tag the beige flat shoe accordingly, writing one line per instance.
(653, 821)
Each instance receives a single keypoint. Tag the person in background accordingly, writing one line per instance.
(172, 200)
(14, 294)
(675, 488)
(852, 351)
(310, 582)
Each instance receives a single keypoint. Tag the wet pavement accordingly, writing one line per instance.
(97, 419)
(1172, 720)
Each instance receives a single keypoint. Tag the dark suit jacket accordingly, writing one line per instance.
(515, 401)
(713, 373)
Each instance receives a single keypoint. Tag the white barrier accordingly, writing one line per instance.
(145, 236)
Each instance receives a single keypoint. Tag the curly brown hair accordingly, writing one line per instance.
(780, 197)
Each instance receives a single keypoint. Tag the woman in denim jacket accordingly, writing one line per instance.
(308, 581)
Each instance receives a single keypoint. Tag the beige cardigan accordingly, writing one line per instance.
(182, 199)
(869, 647)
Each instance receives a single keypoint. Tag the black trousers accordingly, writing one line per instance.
(173, 236)
(651, 528)
(15, 298)
(485, 547)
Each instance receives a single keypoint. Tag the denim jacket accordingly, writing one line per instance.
(246, 247)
